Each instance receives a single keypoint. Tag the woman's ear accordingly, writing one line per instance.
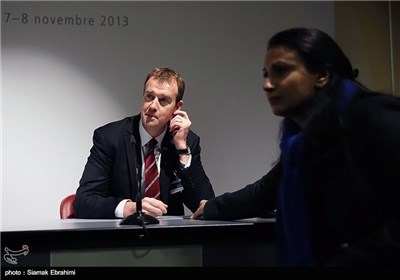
(321, 79)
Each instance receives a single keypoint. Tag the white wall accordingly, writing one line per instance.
(60, 82)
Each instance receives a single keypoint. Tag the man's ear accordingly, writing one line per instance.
(179, 105)
(321, 79)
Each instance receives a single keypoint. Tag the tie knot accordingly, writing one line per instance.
(152, 143)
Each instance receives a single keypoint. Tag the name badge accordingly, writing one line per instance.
(176, 186)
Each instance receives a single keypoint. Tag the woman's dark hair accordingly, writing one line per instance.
(317, 49)
(320, 54)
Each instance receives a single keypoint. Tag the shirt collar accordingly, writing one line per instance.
(145, 137)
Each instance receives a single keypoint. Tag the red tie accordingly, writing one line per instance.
(151, 181)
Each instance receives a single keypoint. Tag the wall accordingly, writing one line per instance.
(369, 33)
(61, 81)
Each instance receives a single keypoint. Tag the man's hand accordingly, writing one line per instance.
(179, 127)
(150, 206)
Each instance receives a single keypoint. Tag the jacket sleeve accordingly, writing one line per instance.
(197, 185)
(254, 200)
(92, 197)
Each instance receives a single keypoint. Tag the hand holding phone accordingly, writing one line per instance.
(179, 127)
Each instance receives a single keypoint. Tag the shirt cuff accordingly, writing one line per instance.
(183, 165)
(119, 211)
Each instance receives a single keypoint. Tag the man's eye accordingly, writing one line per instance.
(163, 101)
(148, 96)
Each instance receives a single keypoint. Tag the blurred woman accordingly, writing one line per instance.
(336, 185)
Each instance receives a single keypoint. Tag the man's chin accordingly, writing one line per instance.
(152, 121)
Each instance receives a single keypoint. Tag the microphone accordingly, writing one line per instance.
(138, 218)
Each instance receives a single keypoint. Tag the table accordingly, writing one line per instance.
(174, 242)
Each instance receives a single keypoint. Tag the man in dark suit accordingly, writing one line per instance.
(115, 166)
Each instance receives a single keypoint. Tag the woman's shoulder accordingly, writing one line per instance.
(375, 113)
(370, 103)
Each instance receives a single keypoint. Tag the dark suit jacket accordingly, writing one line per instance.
(109, 175)
(354, 203)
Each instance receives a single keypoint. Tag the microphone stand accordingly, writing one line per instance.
(138, 218)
